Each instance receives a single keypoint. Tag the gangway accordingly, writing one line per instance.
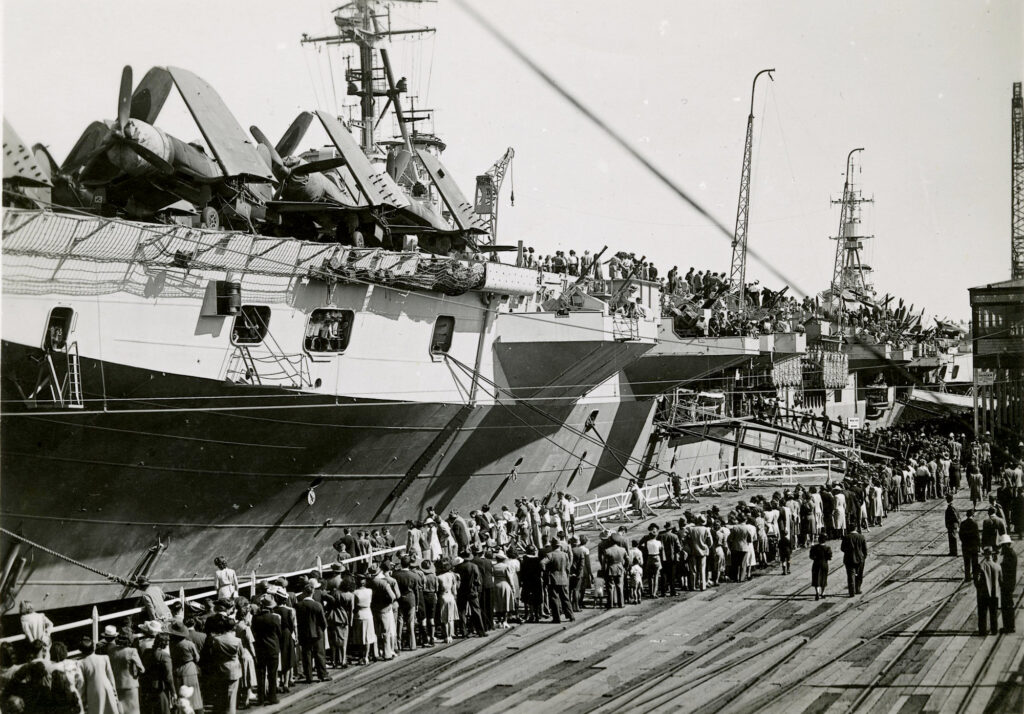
(866, 444)
(771, 441)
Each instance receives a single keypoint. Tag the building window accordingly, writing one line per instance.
(956, 371)
(329, 330)
(444, 330)
(58, 326)
(251, 325)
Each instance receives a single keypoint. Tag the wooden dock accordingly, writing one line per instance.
(909, 643)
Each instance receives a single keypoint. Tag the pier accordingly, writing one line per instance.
(909, 643)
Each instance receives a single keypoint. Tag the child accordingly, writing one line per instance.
(636, 582)
(182, 703)
(785, 548)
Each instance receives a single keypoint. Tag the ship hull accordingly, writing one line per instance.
(160, 465)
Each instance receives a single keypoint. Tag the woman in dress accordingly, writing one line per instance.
(225, 580)
(365, 635)
(817, 512)
(286, 665)
(243, 631)
(771, 526)
(156, 684)
(185, 660)
(820, 555)
(127, 667)
(222, 664)
(61, 666)
(839, 512)
(504, 602)
(448, 583)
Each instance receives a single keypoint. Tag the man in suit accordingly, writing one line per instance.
(312, 624)
(952, 524)
(556, 569)
(700, 547)
(670, 552)
(468, 596)
(989, 583)
(1009, 581)
(613, 563)
(970, 539)
(266, 632)
(855, 553)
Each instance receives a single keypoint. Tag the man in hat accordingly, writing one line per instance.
(970, 540)
(556, 567)
(855, 554)
(991, 528)
(952, 524)
(266, 631)
(1009, 581)
(613, 565)
(468, 595)
(989, 584)
(670, 552)
(486, 567)
(312, 624)
(106, 643)
(152, 600)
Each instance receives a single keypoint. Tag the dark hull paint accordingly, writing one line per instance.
(104, 486)
(655, 374)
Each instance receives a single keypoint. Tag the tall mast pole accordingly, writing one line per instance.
(738, 271)
(837, 267)
(1017, 186)
(358, 24)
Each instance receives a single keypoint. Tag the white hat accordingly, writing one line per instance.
(185, 691)
(1004, 539)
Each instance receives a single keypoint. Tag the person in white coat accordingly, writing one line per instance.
(98, 690)
(839, 511)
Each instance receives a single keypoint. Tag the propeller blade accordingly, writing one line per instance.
(318, 166)
(276, 162)
(290, 141)
(156, 160)
(94, 141)
(124, 98)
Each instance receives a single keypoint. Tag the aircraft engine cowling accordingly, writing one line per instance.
(146, 135)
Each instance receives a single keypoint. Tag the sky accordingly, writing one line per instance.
(923, 86)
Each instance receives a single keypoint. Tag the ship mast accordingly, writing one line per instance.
(362, 24)
(849, 273)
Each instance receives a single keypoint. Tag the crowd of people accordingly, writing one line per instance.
(459, 577)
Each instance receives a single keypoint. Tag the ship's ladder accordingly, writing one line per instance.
(74, 379)
(250, 365)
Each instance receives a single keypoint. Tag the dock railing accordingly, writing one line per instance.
(660, 493)
(252, 582)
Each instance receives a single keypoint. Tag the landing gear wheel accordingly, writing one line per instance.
(209, 218)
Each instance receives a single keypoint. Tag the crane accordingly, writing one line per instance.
(738, 271)
(488, 186)
(1017, 186)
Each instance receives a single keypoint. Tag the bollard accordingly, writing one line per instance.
(181, 600)
(320, 567)
(95, 625)
(252, 587)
